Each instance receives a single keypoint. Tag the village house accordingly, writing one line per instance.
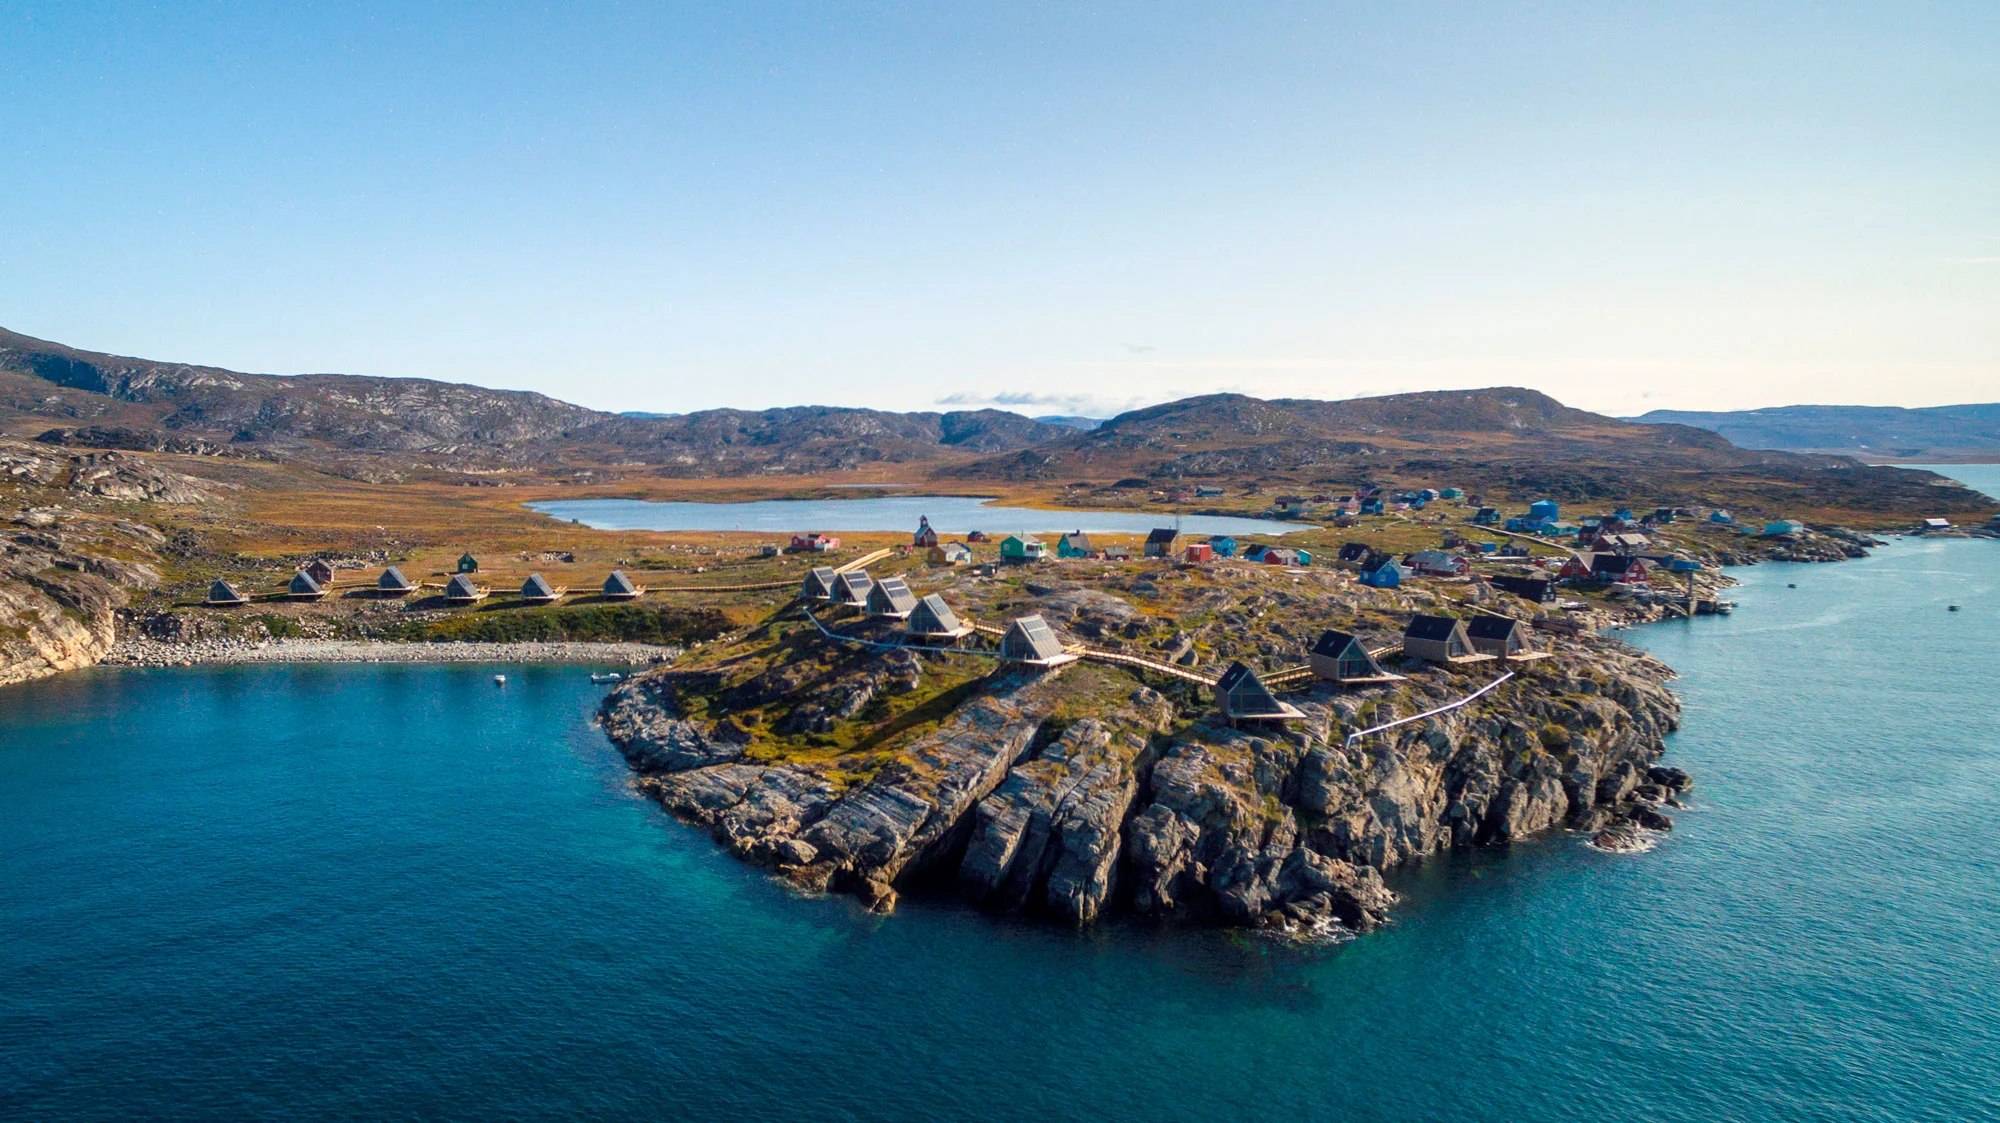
(303, 587)
(1279, 555)
(1486, 516)
(1437, 563)
(1163, 542)
(1535, 590)
(852, 588)
(1242, 696)
(1224, 546)
(221, 594)
(461, 590)
(468, 564)
(1075, 544)
(925, 537)
(1200, 552)
(1620, 542)
(1619, 569)
(537, 590)
(1118, 553)
(320, 570)
(392, 583)
(1937, 524)
(950, 553)
(933, 621)
(1720, 516)
(1208, 493)
(818, 584)
(1502, 637)
(891, 598)
(978, 536)
(814, 543)
(1341, 657)
(1021, 548)
(1387, 575)
(1030, 640)
(1439, 639)
(1544, 510)
(620, 587)
(1783, 527)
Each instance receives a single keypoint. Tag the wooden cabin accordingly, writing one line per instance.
(1503, 637)
(852, 588)
(818, 584)
(1437, 563)
(1021, 548)
(1619, 569)
(1075, 544)
(1538, 590)
(320, 570)
(1341, 657)
(1242, 696)
(978, 536)
(1200, 552)
(925, 537)
(1118, 553)
(392, 583)
(1388, 575)
(461, 590)
(933, 621)
(1030, 640)
(950, 553)
(537, 590)
(620, 587)
(303, 587)
(1486, 516)
(1223, 545)
(1163, 542)
(221, 594)
(814, 543)
(891, 598)
(1439, 639)
(468, 564)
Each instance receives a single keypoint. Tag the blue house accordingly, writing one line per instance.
(1544, 510)
(1371, 506)
(1385, 576)
(1225, 546)
(1783, 527)
(1254, 551)
(1624, 513)
(1721, 516)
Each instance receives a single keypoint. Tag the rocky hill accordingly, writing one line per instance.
(1082, 791)
(1873, 431)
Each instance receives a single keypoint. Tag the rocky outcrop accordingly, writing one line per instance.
(1131, 808)
(58, 603)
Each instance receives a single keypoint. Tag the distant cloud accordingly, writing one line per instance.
(1972, 261)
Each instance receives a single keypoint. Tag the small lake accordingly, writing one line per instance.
(948, 513)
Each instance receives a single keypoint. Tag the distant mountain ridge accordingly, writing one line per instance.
(1866, 430)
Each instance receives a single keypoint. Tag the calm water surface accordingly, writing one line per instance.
(368, 891)
(949, 514)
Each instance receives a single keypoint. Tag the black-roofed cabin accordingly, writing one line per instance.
(1502, 637)
(1242, 696)
(303, 587)
(392, 583)
(1440, 639)
(891, 599)
(1342, 657)
(818, 584)
(1030, 640)
(620, 587)
(1539, 590)
(461, 590)
(852, 588)
(222, 594)
(933, 621)
(537, 590)
(1163, 542)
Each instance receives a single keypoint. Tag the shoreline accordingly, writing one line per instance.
(153, 653)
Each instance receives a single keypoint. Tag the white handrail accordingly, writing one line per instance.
(1352, 737)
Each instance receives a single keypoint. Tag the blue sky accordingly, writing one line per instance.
(1061, 208)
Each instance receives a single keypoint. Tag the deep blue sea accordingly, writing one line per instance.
(401, 892)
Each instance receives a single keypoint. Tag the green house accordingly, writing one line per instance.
(468, 564)
(1021, 548)
(1075, 544)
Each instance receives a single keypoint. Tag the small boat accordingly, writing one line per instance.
(499, 680)
(1951, 608)
(1791, 586)
(609, 676)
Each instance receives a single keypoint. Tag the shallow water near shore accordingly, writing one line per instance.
(355, 891)
(950, 514)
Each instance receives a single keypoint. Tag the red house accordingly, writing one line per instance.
(1200, 552)
(1575, 569)
(815, 542)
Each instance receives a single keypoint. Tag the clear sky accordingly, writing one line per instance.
(1066, 208)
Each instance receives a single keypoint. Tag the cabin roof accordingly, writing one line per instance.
(1492, 627)
(1031, 637)
(460, 585)
(934, 617)
(537, 586)
(1161, 535)
(1335, 644)
(1430, 627)
(302, 582)
(619, 583)
(892, 594)
(1246, 694)
(392, 578)
(223, 590)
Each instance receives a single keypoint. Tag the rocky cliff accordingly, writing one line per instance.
(1080, 791)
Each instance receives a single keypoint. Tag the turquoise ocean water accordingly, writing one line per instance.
(402, 892)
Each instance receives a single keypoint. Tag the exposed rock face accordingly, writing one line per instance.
(58, 605)
(1071, 819)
